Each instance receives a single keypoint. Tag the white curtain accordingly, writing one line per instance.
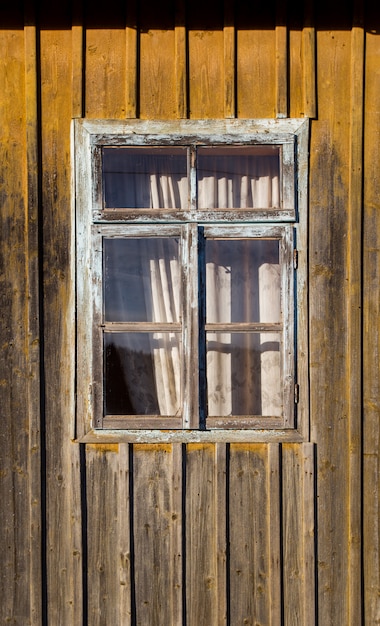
(243, 369)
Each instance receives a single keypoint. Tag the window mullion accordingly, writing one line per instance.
(190, 327)
(193, 179)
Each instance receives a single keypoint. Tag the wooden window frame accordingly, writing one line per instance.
(288, 224)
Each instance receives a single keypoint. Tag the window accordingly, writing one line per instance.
(188, 238)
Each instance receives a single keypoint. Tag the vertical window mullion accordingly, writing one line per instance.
(193, 179)
(287, 305)
(190, 326)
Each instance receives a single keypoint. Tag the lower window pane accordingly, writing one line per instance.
(142, 373)
(244, 374)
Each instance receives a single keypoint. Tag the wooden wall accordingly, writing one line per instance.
(211, 534)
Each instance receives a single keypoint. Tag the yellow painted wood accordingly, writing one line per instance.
(354, 316)
(157, 523)
(298, 498)
(206, 73)
(254, 533)
(296, 91)
(256, 73)
(108, 543)
(371, 335)
(131, 75)
(229, 60)
(181, 60)
(205, 535)
(105, 73)
(281, 71)
(329, 381)
(19, 489)
(64, 540)
(309, 86)
(158, 86)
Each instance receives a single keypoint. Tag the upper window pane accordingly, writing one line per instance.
(145, 178)
(141, 280)
(238, 177)
(243, 281)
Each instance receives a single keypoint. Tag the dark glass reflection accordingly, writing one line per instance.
(243, 281)
(145, 178)
(141, 280)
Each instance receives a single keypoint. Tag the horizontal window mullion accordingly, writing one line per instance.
(141, 327)
(243, 327)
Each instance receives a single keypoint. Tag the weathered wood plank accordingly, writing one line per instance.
(298, 498)
(309, 61)
(157, 525)
(105, 73)
(34, 401)
(328, 321)
(131, 76)
(181, 59)
(18, 489)
(62, 458)
(296, 99)
(205, 535)
(78, 55)
(371, 334)
(354, 321)
(229, 60)
(281, 60)
(108, 538)
(254, 534)
(158, 86)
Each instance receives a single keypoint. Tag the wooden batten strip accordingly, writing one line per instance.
(229, 60)
(123, 519)
(77, 60)
(221, 548)
(274, 531)
(31, 114)
(281, 61)
(354, 319)
(298, 533)
(181, 60)
(309, 63)
(131, 77)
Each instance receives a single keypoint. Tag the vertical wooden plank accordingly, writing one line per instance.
(158, 87)
(206, 59)
(181, 59)
(108, 512)
(255, 527)
(371, 334)
(309, 62)
(206, 535)
(19, 379)
(77, 59)
(281, 60)
(229, 60)
(105, 62)
(131, 74)
(298, 499)
(34, 402)
(256, 59)
(328, 320)
(354, 317)
(157, 535)
(64, 540)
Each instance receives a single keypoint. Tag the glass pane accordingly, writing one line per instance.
(235, 177)
(243, 280)
(244, 374)
(145, 178)
(142, 373)
(141, 280)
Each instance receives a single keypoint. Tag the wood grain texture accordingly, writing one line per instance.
(229, 60)
(256, 73)
(19, 489)
(181, 59)
(157, 532)
(62, 458)
(108, 538)
(105, 73)
(298, 500)
(254, 534)
(158, 74)
(131, 55)
(371, 335)
(328, 321)
(205, 535)
(206, 73)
